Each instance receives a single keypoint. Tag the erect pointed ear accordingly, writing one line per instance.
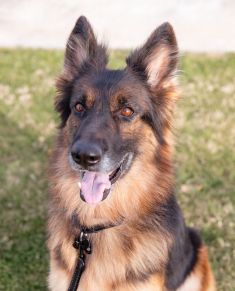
(82, 53)
(157, 59)
(156, 64)
(82, 49)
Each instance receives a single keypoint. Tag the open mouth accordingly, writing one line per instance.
(96, 186)
(114, 175)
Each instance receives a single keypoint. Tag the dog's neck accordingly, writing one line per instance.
(99, 227)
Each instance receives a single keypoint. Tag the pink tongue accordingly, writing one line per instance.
(93, 186)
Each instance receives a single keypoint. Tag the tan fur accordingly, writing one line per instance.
(100, 267)
(111, 209)
(144, 168)
(58, 279)
(201, 278)
(122, 255)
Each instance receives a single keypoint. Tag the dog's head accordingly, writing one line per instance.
(105, 113)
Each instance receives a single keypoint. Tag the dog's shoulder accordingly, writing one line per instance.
(183, 256)
(188, 267)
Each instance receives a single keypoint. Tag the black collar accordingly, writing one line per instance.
(99, 227)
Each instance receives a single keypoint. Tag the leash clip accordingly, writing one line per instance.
(83, 244)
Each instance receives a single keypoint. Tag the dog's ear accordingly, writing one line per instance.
(82, 54)
(155, 63)
(157, 59)
(82, 50)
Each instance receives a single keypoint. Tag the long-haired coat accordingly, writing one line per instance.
(112, 164)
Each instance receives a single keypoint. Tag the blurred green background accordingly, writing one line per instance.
(204, 159)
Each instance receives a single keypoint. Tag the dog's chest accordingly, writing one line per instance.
(92, 283)
(109, 267)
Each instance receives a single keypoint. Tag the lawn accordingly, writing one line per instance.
(204, 159)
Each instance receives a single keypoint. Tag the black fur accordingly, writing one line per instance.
(101, 123)
(183, 257)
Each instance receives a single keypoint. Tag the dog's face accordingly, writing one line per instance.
(104, 112)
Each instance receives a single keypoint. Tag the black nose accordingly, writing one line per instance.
(86, 154)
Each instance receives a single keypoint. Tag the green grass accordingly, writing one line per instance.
(205, 159)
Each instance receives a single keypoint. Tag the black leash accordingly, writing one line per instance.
(83, 245)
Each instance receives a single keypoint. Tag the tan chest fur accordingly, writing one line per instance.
(155, 283)
(113, 265)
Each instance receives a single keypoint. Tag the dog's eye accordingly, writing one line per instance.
(127, 111)
(79, 108)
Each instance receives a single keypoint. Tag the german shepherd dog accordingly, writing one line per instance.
(111, 172)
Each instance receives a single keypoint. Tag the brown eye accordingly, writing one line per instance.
(79, 108)
(126, 111)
